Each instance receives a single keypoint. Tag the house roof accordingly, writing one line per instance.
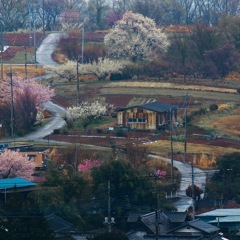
(156, 106)
(176, 217)
(199, 225)
(230, 219)
(58, 224)
(9, 183)
(221, 213)
(150, 221)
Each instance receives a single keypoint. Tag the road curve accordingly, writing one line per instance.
(185, 170)
(45, 50)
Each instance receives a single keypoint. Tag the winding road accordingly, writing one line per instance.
(44, 57)
(185, 170)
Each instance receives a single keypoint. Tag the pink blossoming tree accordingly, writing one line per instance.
(28, 95)
(14, 164)
(87, 165)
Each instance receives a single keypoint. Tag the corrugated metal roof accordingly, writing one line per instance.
(221, 213)
(9, 183)
(157, 106)
(226, 219)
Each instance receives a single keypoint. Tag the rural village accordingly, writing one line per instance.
(120, 119)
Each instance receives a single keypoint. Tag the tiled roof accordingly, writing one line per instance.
(203, 226)
(150, 221)
(58, 224)
(176, 217)
(200, 225)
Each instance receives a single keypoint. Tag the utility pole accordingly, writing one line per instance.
(34, 34)
(109, 221)
(2, 48)
(12, 107)
(157, 216)
(78, 83)
(25, 53)
(193, 192)
(171, 140)
(83, 32)
(43, 17)
(185, 128)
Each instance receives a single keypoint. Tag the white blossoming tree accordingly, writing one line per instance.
(136, 38)
(67, 70)
(103, 67)
(88, 111)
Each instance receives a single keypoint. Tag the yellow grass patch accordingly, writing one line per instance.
(162, 148)
(32, 70)
(229, 124)
(171, 86)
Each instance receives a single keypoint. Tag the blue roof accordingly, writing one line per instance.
(9, 183)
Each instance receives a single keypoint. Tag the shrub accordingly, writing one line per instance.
(120, 76)
(213, 107)
(120, 133)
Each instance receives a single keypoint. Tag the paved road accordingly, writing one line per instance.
(186, 179)
(44, 57)
(55, 123)
(45, 50)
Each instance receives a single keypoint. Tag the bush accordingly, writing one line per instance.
(120, 76)
(120, 133)
(99, 131)
(213, 107)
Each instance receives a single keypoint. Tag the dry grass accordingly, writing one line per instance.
(224, 121)
(228, 124)
(171, 86)
(33, 70)
(162, 147)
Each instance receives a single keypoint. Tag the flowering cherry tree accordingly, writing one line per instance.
(15, 164)
(40, 92)
(135, 37)
(28, 95)
(87, 165)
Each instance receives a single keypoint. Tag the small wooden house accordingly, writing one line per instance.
(148, 116)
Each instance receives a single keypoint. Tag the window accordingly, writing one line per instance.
(138, 120)
(132, 120)
(142, 120)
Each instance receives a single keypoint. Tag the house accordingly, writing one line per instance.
(172, 225)
(38, 155)
(149, 116)
(60, 226)
(224, 218)
(11, 185)
(196, 228)
(219, 213)
(147, 221)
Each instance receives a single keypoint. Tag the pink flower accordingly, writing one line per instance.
(87, 165)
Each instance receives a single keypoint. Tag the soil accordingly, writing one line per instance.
(108, 138)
